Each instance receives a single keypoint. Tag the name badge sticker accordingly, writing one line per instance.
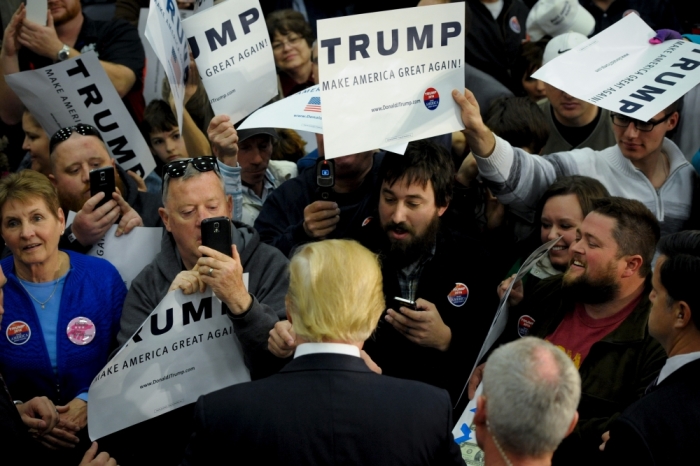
(18, 332)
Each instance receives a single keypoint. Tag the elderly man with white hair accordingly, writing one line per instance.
(528, 406)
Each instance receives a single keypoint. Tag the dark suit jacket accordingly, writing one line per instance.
(662, 427)
(324, 409)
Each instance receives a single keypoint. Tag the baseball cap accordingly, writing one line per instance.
(244, 134)
(560, 44)
(555, 17)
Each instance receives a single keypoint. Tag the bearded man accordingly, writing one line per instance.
(447, 275)
(597, 313)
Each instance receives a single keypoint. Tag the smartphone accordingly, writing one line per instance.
(325, 179)
(405, 303)
(216, 234)
(102, 181)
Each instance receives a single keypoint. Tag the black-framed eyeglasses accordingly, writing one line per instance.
(177, 168)
(64, 133)
(645, 126)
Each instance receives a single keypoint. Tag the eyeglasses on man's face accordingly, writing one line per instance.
(645, 126)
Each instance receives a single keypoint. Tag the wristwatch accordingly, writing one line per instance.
(64, 53)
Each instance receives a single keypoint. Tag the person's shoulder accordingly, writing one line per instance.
(106, 29)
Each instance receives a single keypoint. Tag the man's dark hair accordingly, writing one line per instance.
(287, 21)
(530, 58)
(519, 121)
(423, 161)
(636, 228)
(157, 117)
(680, 272)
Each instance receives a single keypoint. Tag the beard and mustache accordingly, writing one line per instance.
(406, 252)
(591, 290)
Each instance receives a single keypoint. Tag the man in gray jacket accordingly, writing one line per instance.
(190, 195)
(643, 165)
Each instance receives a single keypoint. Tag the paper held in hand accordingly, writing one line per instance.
(79, 91)
(501, 317)
(619, 70)
(233, 52)
(164, 33)
(129, 253)
(387, 77)
(184, 349)
(302, 112)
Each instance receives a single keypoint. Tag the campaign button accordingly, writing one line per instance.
(431, 98)
(524, 324)
(18, 332)
(81, 331)
(459, 295)
(514, 25)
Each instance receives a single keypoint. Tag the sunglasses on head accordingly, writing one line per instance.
(65, 133)
(177, 168)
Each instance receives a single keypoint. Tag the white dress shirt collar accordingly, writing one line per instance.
(676, 362)
(336, 348)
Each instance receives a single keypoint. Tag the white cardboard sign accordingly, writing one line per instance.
(619, 70)
(233, 52)
(387, 78)
(79, 91)
(186, 348)
(167, 38)
(129, 253)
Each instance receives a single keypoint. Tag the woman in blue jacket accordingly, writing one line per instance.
(62, 309)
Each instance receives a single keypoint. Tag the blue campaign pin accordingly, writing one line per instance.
(18, 332)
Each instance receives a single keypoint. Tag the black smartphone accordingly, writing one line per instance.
(405, 303)
(216, 234)
(325, 179)
(102, 181)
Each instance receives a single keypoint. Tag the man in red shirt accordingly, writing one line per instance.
(597, 313)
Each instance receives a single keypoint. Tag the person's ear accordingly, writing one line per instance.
(572, 426)
(684, 315)
(61, 219)
(672, 121)
(164, 217)
(480, 414)
(632, 265)
(441, 210)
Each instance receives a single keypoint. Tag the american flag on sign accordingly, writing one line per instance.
(314, 105)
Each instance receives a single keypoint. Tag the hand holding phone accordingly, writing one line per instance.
(406, 303)
(325, 179)
(102, 181)
(216, 234)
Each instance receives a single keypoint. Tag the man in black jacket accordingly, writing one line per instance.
(446, 274)
(662, 426)
(74, 153)
(494, 34)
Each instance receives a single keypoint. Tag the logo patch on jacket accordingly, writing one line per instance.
(459, 295)
(514, 25)
(18, 332)
(524, 324)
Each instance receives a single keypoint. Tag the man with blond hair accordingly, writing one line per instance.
(326, 406)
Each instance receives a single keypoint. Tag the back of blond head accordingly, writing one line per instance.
(335, 292)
